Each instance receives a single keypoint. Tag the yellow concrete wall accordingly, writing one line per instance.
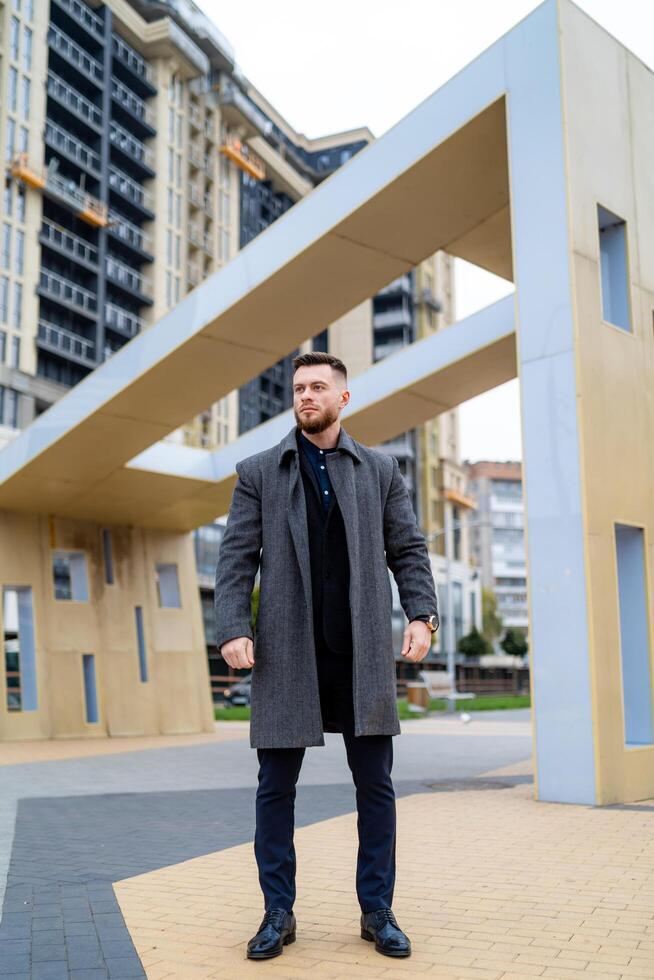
(609, 115)
(176, 696)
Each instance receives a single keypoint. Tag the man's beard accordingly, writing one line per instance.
(316, 422)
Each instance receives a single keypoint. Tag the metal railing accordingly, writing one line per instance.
(193, 274)
(130, 101)
(84, 16)
(130, 145)
(71, 147)
(134, 192)
(131, 59)
(72, 52)
(128, 323)
(66, 241)
(195, 194)
(129, 232)
(124, 274)
(66, 342)
(63, 93)
(195, 234)
(58, 287)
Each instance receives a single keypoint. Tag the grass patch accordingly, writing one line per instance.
(481, 703)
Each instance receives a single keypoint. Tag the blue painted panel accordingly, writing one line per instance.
(27, 650)
(613, 268)
(140, 638)
(635, 653)
(90, 688)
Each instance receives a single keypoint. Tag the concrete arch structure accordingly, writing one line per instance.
(535, 162)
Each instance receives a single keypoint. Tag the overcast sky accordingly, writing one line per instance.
(348, 63)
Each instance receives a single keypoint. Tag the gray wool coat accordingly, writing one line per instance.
(267, 530)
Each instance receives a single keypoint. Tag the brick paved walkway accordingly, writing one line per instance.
(134, 857)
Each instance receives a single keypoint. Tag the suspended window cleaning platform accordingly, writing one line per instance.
(66, 191)
(245, 158)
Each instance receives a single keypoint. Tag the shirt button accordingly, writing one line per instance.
(321, 452)
(322, 467)
(326, 491)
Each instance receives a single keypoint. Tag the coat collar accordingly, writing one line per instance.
(289, 445)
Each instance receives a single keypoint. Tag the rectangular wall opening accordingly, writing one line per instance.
(140, 639)
(19, 649)
(69, 575)
(613, 268)
(107, 554)
(168, 587)
(90, 689)
(634, 635)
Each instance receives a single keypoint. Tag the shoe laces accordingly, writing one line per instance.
(386, 915)
(274, 917)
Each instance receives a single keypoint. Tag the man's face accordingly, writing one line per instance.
(319, 394)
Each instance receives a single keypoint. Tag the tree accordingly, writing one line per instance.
(474, 644)
(491, 620)
(514, 643)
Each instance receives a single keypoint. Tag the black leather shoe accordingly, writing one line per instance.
(381, 928)
(277, 930)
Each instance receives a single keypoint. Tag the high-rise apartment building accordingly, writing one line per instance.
(138, 160)
(497, 536)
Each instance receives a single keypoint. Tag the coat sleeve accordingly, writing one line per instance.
(406, 551)
(238, 561)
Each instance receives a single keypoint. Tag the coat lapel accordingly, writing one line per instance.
(296, 513)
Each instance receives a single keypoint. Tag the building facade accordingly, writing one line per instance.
(497, 536)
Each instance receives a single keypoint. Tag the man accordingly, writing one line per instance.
(323, 517)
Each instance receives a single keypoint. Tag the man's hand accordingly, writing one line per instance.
(238, 652)
(417, 641)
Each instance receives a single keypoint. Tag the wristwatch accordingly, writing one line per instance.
(430, 621)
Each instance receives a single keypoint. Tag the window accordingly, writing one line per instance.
(169, 247)
(4, 298)
(11, 138)
(69, 575)
(5, 252)
(12, 89)
(171, 125)
(179, 130)
(179, 170)
(90, 689)
(27, 49)
(19, 255)
(635, 654)
(171, 165)
(25, 98)
(177, 289)
(169, 290)
(8, 199)
(613, 269)
(20, 204)
(168, 586)
(18, 305)
(29, 10)
(178, 252)
(19, 649)
(14, 38)
(178, 211)
(15, 352)
(3, 346)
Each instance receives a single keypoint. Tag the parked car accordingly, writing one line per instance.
(239, 693)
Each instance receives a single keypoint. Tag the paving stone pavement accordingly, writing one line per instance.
(70, 828)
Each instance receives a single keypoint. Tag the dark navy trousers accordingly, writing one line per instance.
(370, 758)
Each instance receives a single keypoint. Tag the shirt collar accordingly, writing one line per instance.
(289, 444)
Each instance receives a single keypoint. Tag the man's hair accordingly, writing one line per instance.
(320, 357)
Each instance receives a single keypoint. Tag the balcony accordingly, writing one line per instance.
(193, 274)
(68, 293)
(207, 243)
(138, 110)
(130, 191)
(400, 285)
(195, 194)
(129, 233)
(398, 317)
(132, 148)
(140, 71)
(74, 55)
(68, 244)
(72, 148)
(127, 277)
(82, 108)
(87, 207)
(129, 324)
(62, 341)
(84, 16)
(195, 235)
(195, 155)
(195, 116)
(245, 158)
